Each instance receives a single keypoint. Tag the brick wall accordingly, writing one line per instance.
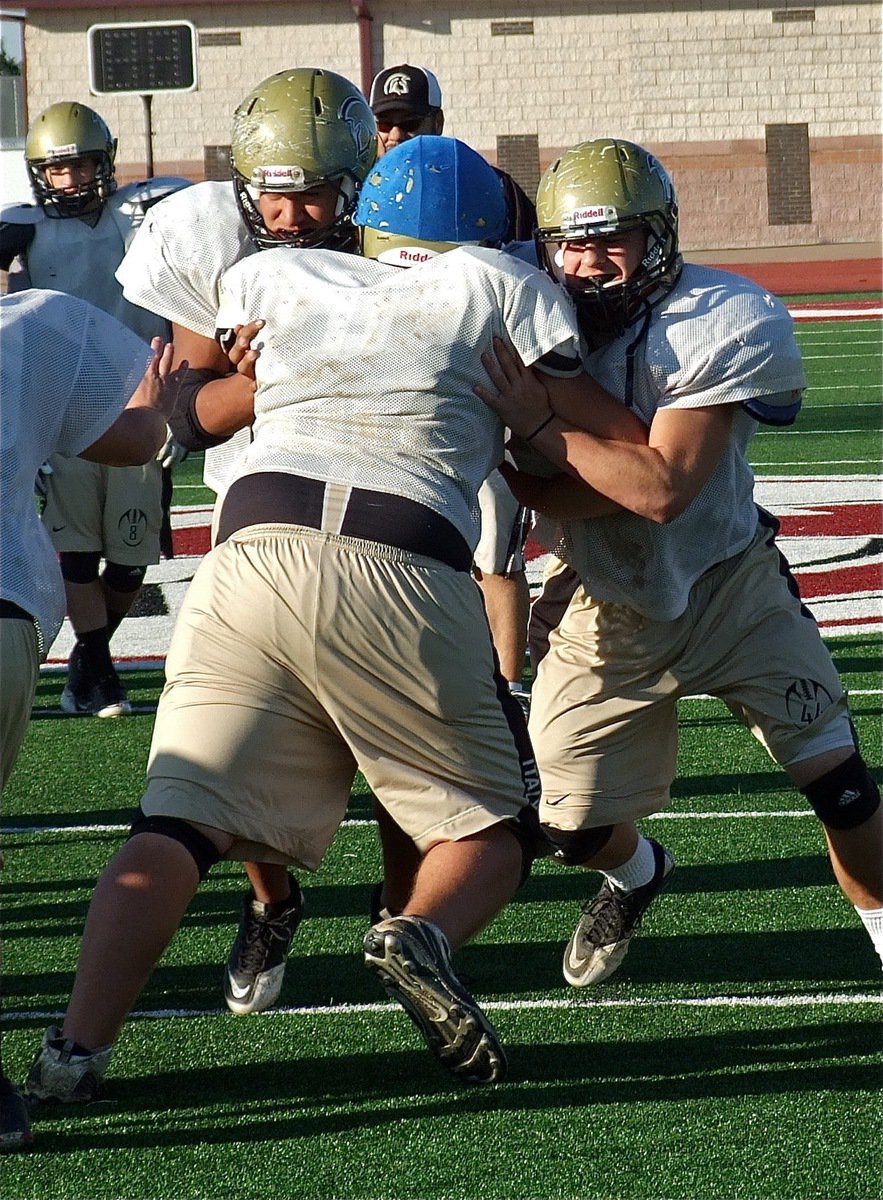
(699, 82)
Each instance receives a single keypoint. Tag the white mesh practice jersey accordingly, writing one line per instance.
(367, 370)
(175, 262)
(69, 255)
(67, 370)
(716, 338)
(174, 267)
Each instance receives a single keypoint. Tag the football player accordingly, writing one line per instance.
(72, 240)
(684, 591)
(67, 372)
(407, 101)
(349, 526)
(302, 142)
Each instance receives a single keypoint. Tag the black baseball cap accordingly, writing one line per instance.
(405, 89)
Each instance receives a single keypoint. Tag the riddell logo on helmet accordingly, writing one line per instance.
(69, 151)
(402, 256)
(597, 212)
(290, 176)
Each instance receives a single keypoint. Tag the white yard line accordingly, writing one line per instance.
(380, 1008)
(37, 831)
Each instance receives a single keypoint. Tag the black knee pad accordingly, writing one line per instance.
(123, 579)
(575, 847)
(846, 796)
(527, 830)
(202, 850)
(79, 566)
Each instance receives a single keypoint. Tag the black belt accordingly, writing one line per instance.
(8, 609)
(276, 498)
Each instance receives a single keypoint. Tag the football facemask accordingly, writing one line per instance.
(602, 188)
(64, 134)
(297, 129)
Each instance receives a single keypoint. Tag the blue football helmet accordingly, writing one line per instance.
(428, 195)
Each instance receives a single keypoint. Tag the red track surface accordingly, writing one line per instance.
(806, 278)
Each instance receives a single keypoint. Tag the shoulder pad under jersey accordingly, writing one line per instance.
(21, 214)
(139, 197)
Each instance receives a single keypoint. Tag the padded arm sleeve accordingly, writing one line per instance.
(184, 423)
(780, 409)
(14, 240)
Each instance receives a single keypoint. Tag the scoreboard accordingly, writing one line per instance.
(142, 58)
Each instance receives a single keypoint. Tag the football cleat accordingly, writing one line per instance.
(76, 702)
(256, 966)
(412, 959)
(108, 698)
(609, 922)
(65, 1073)
(15, 1128)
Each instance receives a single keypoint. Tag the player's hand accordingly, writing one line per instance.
(245, 351)
(517, 395)
(171, 452)
(155, 390)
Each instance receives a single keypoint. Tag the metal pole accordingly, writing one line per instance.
(147, 101)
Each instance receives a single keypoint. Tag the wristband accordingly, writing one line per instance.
(540, 427)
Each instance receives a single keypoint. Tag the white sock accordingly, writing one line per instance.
(515, 685)
(872, 919)
(637, 871)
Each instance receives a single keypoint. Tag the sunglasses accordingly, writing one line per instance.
(406, 124)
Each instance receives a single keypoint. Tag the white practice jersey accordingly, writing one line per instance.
(174, 267)
(69, 255)
(366, 372)
(67, 370)
(716, 338)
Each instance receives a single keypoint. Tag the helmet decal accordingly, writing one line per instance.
(356, 114)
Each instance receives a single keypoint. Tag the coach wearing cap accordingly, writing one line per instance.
(407, 101)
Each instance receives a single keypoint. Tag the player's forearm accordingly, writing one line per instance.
(634, 477)
(584, 404)
(224, 406)
(132, 440)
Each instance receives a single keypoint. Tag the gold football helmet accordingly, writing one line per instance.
(297, 129)
(61, 134)
(599, 188)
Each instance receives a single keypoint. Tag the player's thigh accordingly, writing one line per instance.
(73, 513)
(408, 673)
(20, 659)
(132, 517)
(603, 717)
(241, 741)
(767, 660)
(503, 529)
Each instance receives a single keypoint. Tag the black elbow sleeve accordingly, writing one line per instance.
(184, 422)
